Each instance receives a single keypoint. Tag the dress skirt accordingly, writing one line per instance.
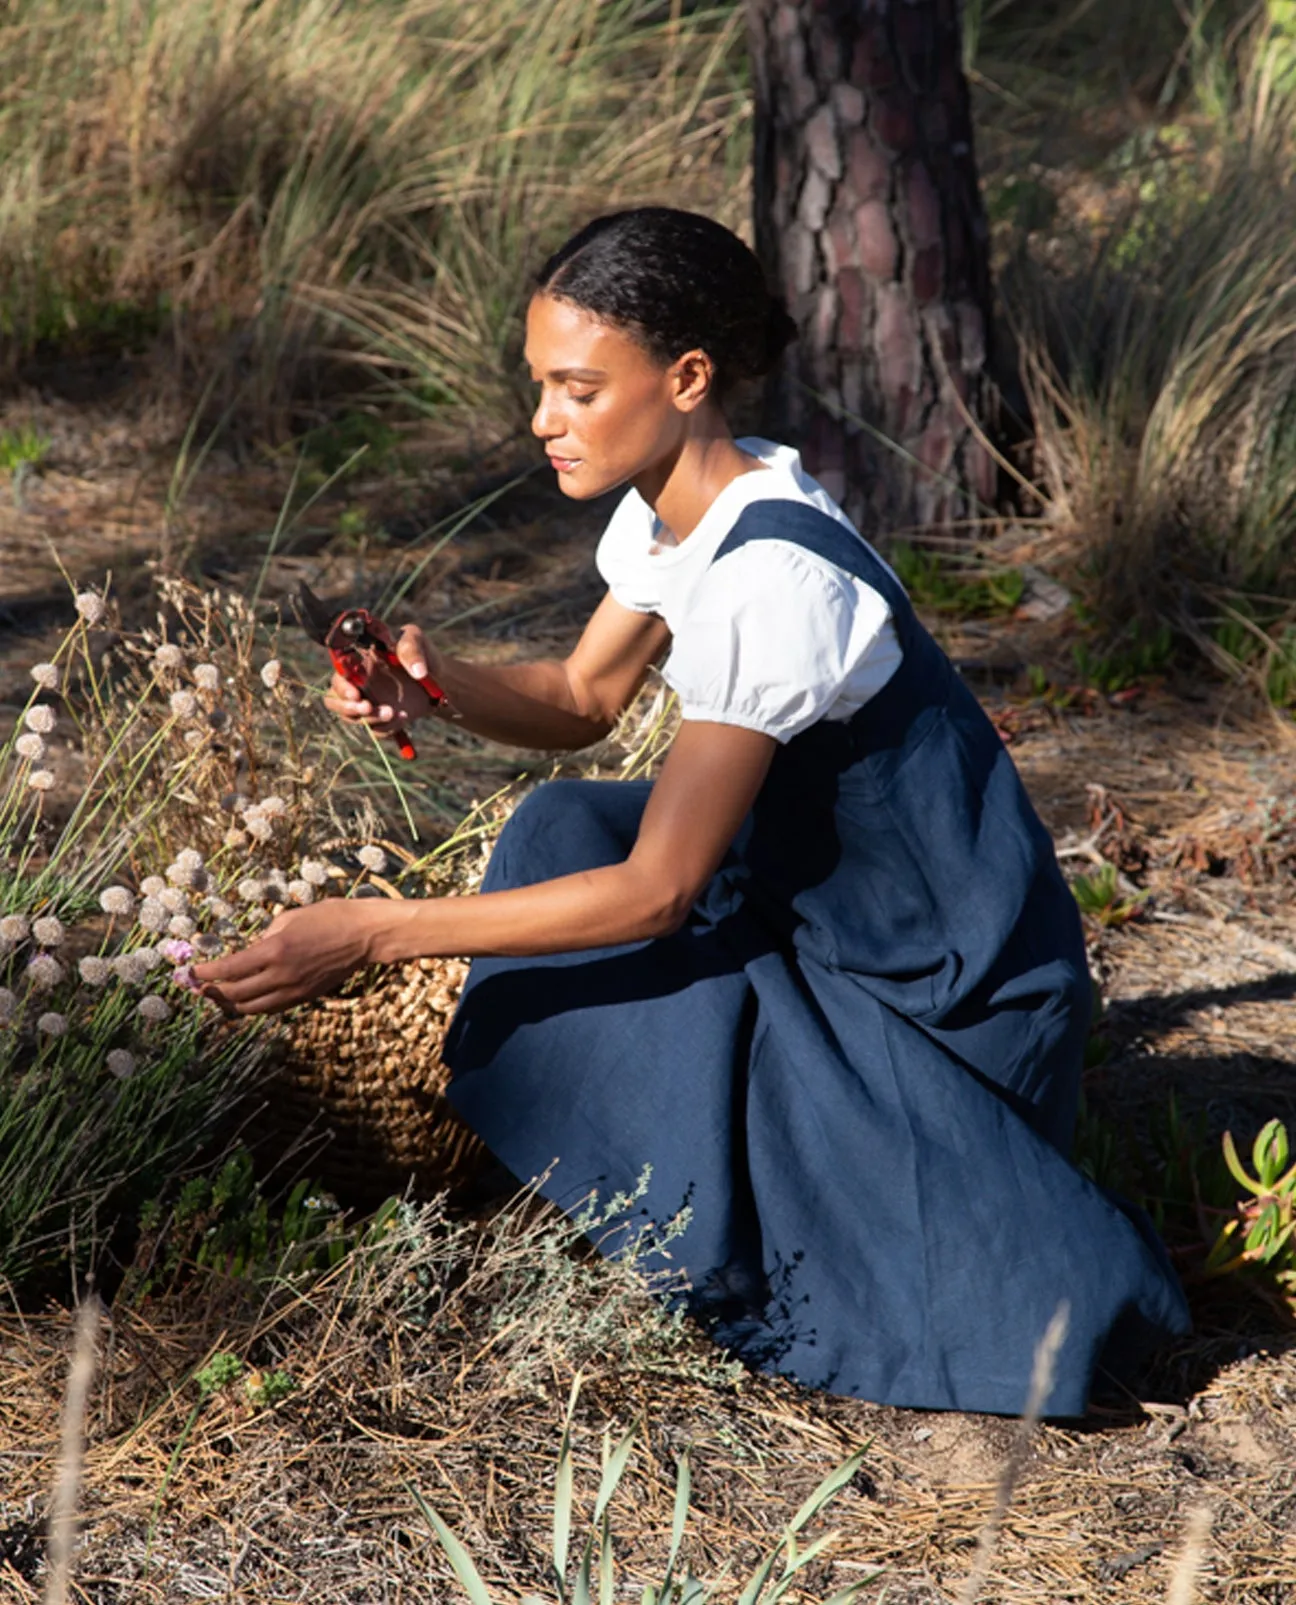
(856, 1066)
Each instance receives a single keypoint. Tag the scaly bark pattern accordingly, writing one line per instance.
(868, 214)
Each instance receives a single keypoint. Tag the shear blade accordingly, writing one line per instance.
(314, 616)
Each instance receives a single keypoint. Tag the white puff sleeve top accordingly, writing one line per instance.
(773, 637)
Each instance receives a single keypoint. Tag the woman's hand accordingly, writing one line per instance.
(392, 699)
(305, 953)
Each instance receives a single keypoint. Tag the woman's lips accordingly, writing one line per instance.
(564, 465)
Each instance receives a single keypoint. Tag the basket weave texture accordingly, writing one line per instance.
(359, 1080)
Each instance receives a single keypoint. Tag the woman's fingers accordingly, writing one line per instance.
(346, 700)
(354, 707)
(413, 652)
(271, 1002)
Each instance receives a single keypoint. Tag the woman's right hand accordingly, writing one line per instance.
(392, 699)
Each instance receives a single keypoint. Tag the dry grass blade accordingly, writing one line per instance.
(1041, 1385)
(62, 1525)
(1183, 1584)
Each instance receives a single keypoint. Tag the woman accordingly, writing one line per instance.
(824, 975)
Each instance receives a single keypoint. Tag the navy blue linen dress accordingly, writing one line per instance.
(857, 1063)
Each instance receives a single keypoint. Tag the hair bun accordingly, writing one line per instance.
(780, 331)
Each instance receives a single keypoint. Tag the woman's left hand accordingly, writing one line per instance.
(305, 953)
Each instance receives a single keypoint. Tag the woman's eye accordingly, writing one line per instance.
(584, 398)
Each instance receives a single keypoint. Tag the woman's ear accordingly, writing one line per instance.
(693, 379)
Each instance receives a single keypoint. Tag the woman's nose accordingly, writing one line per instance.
(542, 421)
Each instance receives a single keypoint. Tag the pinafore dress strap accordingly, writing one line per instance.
(827, 537)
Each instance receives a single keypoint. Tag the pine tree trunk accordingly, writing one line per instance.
(868, 215)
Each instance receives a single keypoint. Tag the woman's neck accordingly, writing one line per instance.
(681, 487)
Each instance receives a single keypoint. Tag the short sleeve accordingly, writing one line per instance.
(621, 557)
(775, 638)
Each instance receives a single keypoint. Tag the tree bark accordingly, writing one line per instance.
(868, 216)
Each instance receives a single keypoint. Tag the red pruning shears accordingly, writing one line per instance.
(356, 640)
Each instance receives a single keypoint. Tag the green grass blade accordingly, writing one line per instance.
(832, 1484)
(612, 1473)
(683, 1488)
(845, 1596)
(605, 1563)
(756, 1586)
(562, 1512)
(581, 1594)
(456, 1554)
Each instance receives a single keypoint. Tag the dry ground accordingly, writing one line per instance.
(1187, 787)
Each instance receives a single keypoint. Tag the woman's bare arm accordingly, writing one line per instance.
(553, 704)
(707, 785)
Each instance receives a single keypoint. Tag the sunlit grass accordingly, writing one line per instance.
(281, 183)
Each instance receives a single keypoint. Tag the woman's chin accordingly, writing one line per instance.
(580, 486)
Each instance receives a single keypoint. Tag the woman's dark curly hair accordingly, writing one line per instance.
(676, 282)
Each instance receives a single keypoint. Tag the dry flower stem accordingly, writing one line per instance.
(71, 1453)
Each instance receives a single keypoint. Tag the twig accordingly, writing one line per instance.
(1041, 1385)
(1183, 1584)
(62, 1524)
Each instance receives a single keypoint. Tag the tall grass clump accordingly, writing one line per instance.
(280, 182)
(159, 794)
(1159, 367)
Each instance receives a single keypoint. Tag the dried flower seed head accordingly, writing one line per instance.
(373, 858)
(153, 914)
(152, 886)
(218, 908)
(206, 676)
(189, 858)
(121, 1063)
(258, 825)
(150, 957)
(30, 746)
(41, 780)
(301, 891)
(8, 1005)
(46, 676)
(270, 673)
(90, 605)
(41, 718)
(217, 718)
(183, 704)
(15, 928)
(95, 971)
(51, 1024)
(273, 807)
(174, 899)
(180, 925)
(315, 871)
(235, 838)
(156, 1010)
(48, 930)
(169, 656)
(251, 891)
(184, 977)
(208, 944)
(116, 900)
(131, 969)
(44, 973)
(194, 738)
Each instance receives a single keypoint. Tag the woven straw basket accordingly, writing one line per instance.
(358, 1080)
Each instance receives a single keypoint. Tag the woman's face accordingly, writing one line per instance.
(608, 413)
